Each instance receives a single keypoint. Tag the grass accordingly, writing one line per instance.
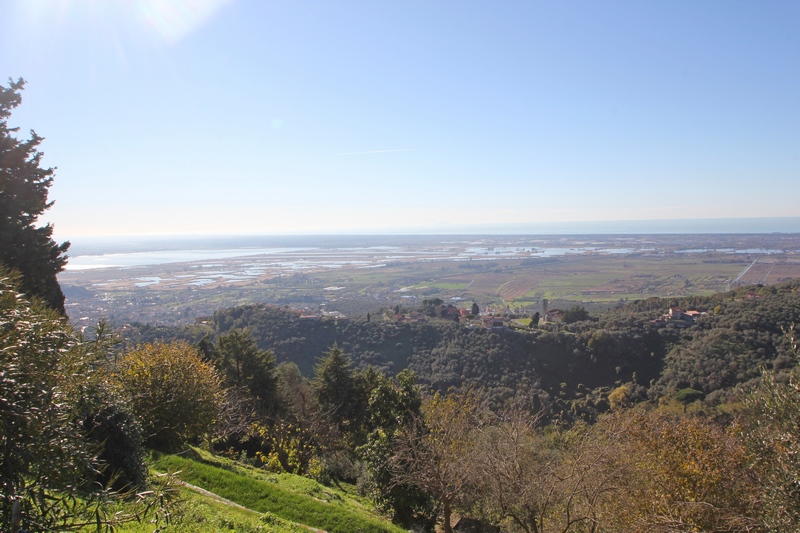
(202, 514)
(291, 498)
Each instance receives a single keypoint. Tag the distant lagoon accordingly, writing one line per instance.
(308, 258)
(135, 251)
(134, 259)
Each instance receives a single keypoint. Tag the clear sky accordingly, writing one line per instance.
(291, 116)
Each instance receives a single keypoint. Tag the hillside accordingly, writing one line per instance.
(572, 365)
(243, 499)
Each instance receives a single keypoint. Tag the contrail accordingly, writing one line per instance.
(376, 151)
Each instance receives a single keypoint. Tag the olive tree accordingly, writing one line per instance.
(435, 453)
(48, 375)
(773, 436)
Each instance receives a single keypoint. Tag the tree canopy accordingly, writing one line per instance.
(24, 185)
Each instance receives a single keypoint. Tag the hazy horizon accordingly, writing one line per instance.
(99, 245)
(599, 227)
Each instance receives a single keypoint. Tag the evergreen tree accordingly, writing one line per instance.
(243, 365)
(336, 386)
(24, 186)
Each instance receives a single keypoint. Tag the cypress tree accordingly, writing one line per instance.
(24, 186)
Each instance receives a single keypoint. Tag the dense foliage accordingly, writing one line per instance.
(51, 382)
(572, 366)
(597, 425)
(615, 421)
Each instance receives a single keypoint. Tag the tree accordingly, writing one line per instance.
(539, 481)
(24, 186)
(619, 397)
(475, 309)
(300, 430)
(244, 366)
(576, 313)
(686, 474)
(535, 319)
(688, 397)
(47, 373)
(435, 453)
(773, 436)
(337, 388)
(175, 394)
(393, 405)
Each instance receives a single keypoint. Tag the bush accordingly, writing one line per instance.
(112, 424)
(173, 392)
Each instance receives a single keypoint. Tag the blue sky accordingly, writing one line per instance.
(281, 117)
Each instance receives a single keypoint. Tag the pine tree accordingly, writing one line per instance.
(335, 383)
(243, 365)
(24, 186)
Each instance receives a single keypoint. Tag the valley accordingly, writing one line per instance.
(349, 276)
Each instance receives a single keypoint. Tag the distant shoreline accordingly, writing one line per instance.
(597, 227)
(368, 249)
(88, 245)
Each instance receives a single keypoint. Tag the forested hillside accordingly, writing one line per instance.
(574, 365)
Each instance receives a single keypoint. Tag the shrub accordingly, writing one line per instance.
(173, 392)
(112, 424)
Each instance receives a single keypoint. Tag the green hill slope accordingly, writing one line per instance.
(286, 498)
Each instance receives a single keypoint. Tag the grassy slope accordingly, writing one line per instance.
(291, 498)
(203, 514)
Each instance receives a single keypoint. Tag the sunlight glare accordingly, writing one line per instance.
(170, 20)
(176, 19)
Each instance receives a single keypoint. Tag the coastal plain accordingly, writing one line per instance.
(346, 277)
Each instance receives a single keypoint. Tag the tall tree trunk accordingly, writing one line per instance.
(446, 512)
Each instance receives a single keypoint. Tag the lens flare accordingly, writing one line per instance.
(174, 20)
(170, 20)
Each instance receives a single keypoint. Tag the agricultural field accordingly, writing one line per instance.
(498, 273)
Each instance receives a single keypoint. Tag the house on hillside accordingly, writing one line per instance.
(678, 317)
(553, 315)
(675, 313)
(453, 313)
(493, 322)
(416, 316)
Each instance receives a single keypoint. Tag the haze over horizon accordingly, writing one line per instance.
(246, 117)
